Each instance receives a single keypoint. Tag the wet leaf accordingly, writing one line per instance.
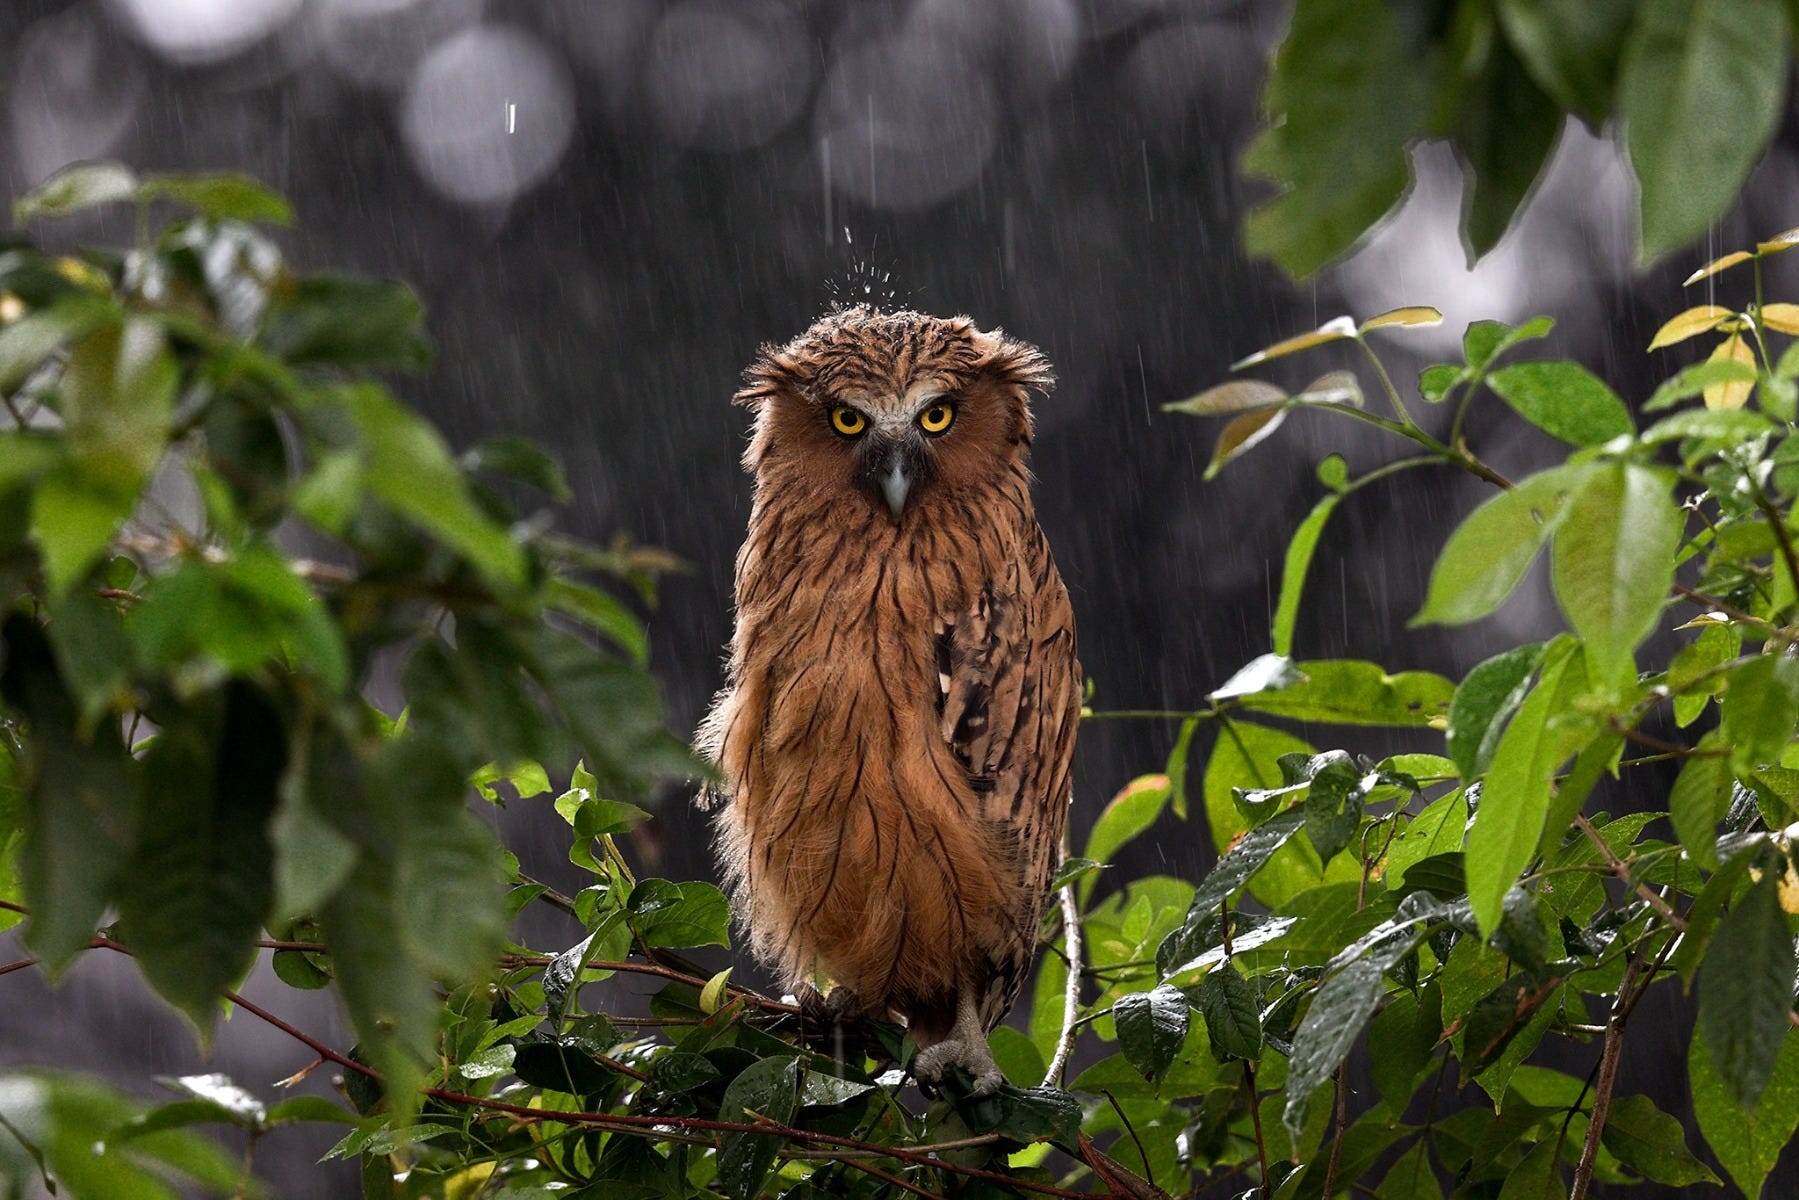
(1482, 704)
(1699, 800)
(1234, 396)
(1746, 993)
(766, 1090)
(1747, 1141)
(1487, 555)
(1564, 400)
(1133, 810)
(72, 189)
(1721, 263)
(1345, 691)
(1410, 317)
(1734, 394)
(1242, 435)
(1336, 329)
(223, 197)
(1652, 1143)
(1697, 379)
(1151, 1028)
(1612, 559)
(1693, 321)
(1233, 1017)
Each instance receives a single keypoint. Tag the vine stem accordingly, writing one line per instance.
(1071, 995)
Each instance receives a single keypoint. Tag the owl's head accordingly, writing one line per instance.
(894, 406)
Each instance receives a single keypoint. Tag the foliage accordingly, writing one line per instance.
(1442, 922)
(1697, 87)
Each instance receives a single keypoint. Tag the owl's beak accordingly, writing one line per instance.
(895, 480)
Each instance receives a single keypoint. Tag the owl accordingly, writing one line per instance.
(894, 739)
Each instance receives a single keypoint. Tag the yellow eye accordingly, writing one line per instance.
(938, 417)
(848, 421)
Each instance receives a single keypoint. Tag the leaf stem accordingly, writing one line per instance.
(1386, 382)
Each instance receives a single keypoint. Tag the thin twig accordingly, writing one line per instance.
(1608, 1074)
(1621, 869)
(895, 1180)
(1071, 996)
(1148, 1171)
(1718, 606)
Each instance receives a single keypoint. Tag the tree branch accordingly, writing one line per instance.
(1071, 996)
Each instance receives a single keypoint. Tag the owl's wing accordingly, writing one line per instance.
(1010, 686)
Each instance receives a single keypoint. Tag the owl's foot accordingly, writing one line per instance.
(828, 1008)
(972, 1056)
(965, 1047)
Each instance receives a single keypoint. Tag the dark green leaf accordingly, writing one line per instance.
(1612, 559)
(1564, 400)
(1352, 89)
(768, 1089)
(561, 1066)
(1748, 1142)
(1538, 1177)
(1570, 48)
(1482, 704)
(1400, 1041)
(74, 188)
(1652, 1143)
(1243, 860)
(1151, 1027)
(1233, 1016)
(679, 915)
(1701, 89)
(79, 800)
(199, 883)
(1746, 993)
(1500, 1016)
(1505, 132)
(347, 322)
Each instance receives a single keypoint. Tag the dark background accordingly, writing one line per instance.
(684, 180)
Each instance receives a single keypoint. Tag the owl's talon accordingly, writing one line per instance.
(933, 1062)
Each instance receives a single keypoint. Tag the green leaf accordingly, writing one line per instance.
(1748, 1142)
(1760, 710)
(1701, 89)
(223, 197)
(1151, 1028)
(1490, 550)
(1746, 993)
(1570, 48)
(408, 466)
(1133, 810)
(1694, 380)
(1351, 89)
(1350, 692)
(1722, 424)
(34, 337)
(199, 885)
(1242, 435)
(342, 321)
(1652, 1143)
(1233, 1016)
(1516, 799)
(1293, 572)
(1564, 400)
(679, 915)
(1482, 704)
(1434, 382)
(1485, 341)
(1538, 1177)
(1698, 801)
(1250, 853)
(765, 1089)
(1612, 559)
(1400, 1041)
(74, 188)
(79, 800)
(1436, 831)
(1506, 129)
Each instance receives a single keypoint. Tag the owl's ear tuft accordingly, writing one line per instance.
(774, 371)
(1010, 362)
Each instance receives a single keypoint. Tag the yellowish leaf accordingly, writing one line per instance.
(1781, 317)
(1693, 321)
(712, 996)
(1411, 317)
(1243, 434)
(1734, 394)
(1334, 330)
(1334, 387)
(1718, 264)
(1705, 619)
(1234, 396)
(1778, 243)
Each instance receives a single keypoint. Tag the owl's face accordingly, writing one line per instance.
(893, 409)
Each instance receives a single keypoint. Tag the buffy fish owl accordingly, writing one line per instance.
(894, 738)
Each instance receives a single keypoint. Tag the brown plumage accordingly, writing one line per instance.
(895, 735)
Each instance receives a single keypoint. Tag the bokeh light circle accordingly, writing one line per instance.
(727, 76)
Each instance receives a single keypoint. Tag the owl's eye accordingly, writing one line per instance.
(848, 421)
(937, 418)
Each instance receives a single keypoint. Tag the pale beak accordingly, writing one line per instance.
(895, 480)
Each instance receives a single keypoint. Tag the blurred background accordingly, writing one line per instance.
(608, 204)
